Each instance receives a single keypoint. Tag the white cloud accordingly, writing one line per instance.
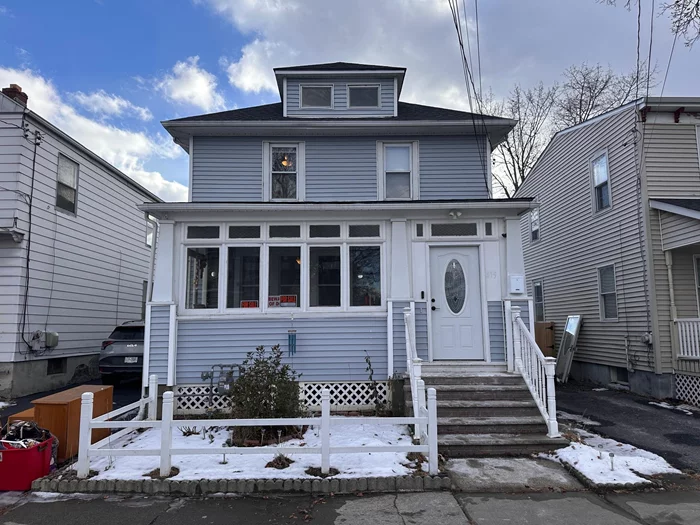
(4, 11)
(127, 150)
(108, 105)
(191, 85)
(417, 34)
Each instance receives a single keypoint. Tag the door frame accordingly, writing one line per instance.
(482, 285)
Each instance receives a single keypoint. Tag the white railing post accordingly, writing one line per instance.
(517, 344)
(325, 431)
(166, 429)
(420, 399)
(552, 425)
(85, 435)
(432, 433)
(152, 397)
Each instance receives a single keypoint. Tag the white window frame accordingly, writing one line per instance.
(371, 85)
(696, 261)
(415, 169)
(77, 185)
(264, 243)
(540, 283)
(267, 170)
(601, 306)
(534, 229)
(596, 156)
(301, 95)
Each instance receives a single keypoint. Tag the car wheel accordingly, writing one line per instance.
(111, 379)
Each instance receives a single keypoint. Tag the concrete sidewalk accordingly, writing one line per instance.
(576, 508)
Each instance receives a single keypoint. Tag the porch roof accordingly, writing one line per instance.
(679, 221)
(508, 206)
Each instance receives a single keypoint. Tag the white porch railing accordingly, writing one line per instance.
(427, 419)
(537, 370)
(688, 338)
(413, 365)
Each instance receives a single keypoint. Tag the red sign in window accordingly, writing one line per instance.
(249, 304)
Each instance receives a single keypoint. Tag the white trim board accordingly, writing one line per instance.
(672, 208)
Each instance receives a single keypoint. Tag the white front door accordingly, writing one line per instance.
(455, 303)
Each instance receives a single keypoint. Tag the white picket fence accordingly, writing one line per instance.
(427, 421)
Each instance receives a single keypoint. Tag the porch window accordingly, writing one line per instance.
(283, 175)
(535, 225)
(397, 171)
(202, 232)
(324, 276)
(202, 286)
(538, 294)
(66, 184)
(284, 277)
(601, 183)
(608, 292)
(243, 280)
(365, 276)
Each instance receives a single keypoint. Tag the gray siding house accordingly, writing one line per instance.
(616, 239)
(330, 216)
(74, 258)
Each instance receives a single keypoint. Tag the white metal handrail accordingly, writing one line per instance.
(537, 370)
(688, 338)
(427, 420)
(413, 365)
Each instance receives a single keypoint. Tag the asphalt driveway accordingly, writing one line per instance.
(673, 434)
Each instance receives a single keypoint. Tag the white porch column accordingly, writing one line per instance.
(400, 273)
(163, 275)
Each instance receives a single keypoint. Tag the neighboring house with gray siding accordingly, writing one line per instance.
(616, 239)
(74, 258)
(329, 214)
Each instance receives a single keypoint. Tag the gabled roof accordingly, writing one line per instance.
(339, 66)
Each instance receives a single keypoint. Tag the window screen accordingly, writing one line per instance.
(316, 96)
(488, 228)
(464, 229)
(285, 232)
(608, 292)
(244, 232)
(419, 230)
(324, 230)
(202, 232)
(364, 230)
(66, 184)
(364, 96)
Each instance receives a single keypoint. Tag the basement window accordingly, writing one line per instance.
(58, 365)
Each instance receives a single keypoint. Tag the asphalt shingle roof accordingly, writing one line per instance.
(273, 112)
(690, 204)
(339, 66)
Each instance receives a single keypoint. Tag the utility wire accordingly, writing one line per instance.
(478, 43)
(651, 43)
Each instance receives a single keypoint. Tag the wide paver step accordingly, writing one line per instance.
(486, 379)
(479, 445)
(491, 425)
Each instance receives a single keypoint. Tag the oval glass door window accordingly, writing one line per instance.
(455, 286)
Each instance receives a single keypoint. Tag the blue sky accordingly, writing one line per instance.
(108, 71)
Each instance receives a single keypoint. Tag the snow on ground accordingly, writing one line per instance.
(592, 459)
(668, 406)
(600, 390)
(252, 466)
(5, 404)
(576, 418)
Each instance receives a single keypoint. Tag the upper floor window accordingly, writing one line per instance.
(363, 96)
(316, 96)
(66, 184)
(535, 225)
(608, 292)
(284, 174)
(398, 171)
(601, 182)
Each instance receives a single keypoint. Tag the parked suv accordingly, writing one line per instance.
(121, 355)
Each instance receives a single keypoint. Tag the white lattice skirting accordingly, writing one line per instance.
(688, 389)
(345, 396)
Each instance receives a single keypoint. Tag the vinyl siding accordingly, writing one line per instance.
(340, 97)
(227, 169)
(575, 241)
(87, 270)
(158, 350)
(497, 332)
(684, 284)
(328, 349)
(671, 161)
(451, 168)
(336, 168)
(677, 230)
(400, 334)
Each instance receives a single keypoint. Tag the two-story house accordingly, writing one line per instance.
(74, 252)
(617, 240)
(315, 222)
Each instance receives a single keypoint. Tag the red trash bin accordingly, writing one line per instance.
(20, 466)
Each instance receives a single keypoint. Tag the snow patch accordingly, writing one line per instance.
(576, 418)
(600, 390)
(252, 466)
(5, 404)
(592, 459)
(668, 406)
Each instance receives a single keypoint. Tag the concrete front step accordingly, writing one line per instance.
(478, 392)
(492, 425)
(452, 408)
(477, 445)
(456, 379)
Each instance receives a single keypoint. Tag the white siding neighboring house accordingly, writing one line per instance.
(88, 259)
(619, 214)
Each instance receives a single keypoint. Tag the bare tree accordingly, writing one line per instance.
(589, 90)
(516, 155)
(685, 17)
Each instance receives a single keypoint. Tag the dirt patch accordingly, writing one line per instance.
(155, 473)
(316, 471)
(280, 462)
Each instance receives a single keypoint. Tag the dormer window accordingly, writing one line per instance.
(316, 96)
(363, 96)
